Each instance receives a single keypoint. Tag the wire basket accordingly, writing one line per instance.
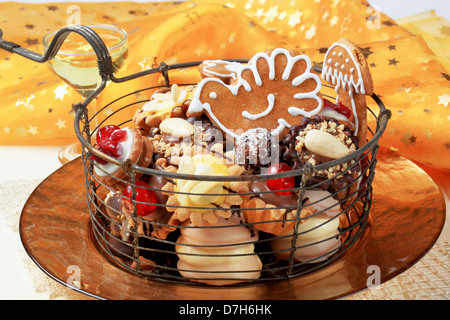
(128, 240)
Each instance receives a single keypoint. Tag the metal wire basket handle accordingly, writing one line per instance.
(106, 71)
(104, 61)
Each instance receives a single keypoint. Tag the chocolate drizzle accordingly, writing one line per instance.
(157, 183)
(236, 211)
(264, 193)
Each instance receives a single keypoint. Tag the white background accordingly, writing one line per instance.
(401, 8)
(393, 8)
(15, 165)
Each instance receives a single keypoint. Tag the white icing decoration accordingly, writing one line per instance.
(230, 66)
(198, 106)
(109, 168)
(213, 95)
(281, 125)
(340, 80)
(271, 99)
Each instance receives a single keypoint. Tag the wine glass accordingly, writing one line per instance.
(76, 64)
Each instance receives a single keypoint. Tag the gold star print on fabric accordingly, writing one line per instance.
(60, 92)
(409, 62)
(32, 130)
(60, 124)
(444, 100)
(26, 103)
(391, 47)
(393, 62)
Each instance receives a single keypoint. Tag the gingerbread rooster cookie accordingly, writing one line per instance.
(273, 91)
(346, 68)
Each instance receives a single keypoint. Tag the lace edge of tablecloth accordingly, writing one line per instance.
(14, 195)
(429, 279)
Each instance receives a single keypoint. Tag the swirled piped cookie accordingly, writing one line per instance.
(218, 254)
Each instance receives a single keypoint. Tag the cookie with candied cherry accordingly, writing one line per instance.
(123, 145)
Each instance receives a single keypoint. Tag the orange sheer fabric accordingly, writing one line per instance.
(409, 77)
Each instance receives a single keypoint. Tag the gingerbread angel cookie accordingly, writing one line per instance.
(346, 68)
(273, 91)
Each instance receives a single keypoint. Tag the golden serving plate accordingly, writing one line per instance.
(406, 218)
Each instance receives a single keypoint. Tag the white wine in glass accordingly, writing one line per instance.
(76, 64)
(76, 61)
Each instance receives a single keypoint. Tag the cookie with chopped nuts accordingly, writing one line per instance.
(316, 141)
(164, 103)
(175, 137)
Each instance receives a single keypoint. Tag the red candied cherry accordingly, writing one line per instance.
(108, 139)
(343, 110)
(111, 146)
(328, 103)
(145, 199)
(99, 160)
(104, 133)
(339, 107)
(280, 183)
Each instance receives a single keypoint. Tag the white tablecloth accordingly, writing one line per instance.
(21, 170)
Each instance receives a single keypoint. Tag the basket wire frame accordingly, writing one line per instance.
(354, 207)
